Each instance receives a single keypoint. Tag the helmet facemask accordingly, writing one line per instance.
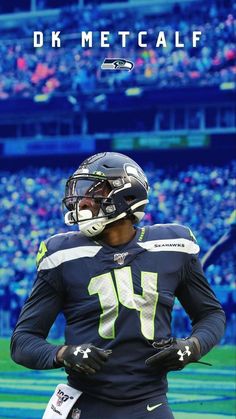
(115, 190)
(88, 203)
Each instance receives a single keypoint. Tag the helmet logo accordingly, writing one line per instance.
(138, 174)
(120, 258)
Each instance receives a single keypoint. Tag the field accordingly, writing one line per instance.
(195, 393)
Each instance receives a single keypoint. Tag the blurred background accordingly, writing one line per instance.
(174, 113)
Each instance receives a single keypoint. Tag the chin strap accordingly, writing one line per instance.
(93, 227)
(90, 226)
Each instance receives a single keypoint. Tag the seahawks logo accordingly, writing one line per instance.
(117, 64)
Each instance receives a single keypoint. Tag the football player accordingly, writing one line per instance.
(116, 284)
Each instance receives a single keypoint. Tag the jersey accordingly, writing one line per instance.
(119, 298)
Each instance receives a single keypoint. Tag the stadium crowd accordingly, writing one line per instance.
(200, 197)
(26, 71)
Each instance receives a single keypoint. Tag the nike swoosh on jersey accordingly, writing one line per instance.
(150, 408)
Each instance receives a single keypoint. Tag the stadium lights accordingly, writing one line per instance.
(228, 85)
(41, 98)
(72, 100)
(133, 91)
(99, 98)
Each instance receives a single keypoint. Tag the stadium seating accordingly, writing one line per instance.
(26, 71)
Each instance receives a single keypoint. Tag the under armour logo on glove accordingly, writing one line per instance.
(182, 354)
(173, 354)
(84, 352)
(77, 358)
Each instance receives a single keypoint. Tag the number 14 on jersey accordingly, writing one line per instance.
(110, 296)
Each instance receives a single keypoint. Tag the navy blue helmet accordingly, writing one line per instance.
(117, 185)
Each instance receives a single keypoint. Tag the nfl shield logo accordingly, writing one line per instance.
(120, 258)
(76, 414)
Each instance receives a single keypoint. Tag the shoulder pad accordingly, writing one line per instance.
(51, 245)
(171, 237)
(64, 247)
(172, 231)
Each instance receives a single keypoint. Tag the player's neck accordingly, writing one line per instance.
(120, 232)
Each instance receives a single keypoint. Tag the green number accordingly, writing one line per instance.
(41, 252)
(145, 303)
(104, 287)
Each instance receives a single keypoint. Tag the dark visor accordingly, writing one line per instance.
(77, 189)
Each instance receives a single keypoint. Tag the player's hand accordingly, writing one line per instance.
(84, 358)
(174, 354)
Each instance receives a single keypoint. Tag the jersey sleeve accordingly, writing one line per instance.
(201, 304)
(29, 346)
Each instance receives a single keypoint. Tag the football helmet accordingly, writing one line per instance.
(115, 184)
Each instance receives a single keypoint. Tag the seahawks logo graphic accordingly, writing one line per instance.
(117, 64)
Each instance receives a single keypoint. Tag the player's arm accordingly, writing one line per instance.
(201, 304)
(208, 321)
(206, 314)
(29, 346)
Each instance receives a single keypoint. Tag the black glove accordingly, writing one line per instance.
(85, 358)
(174, 354)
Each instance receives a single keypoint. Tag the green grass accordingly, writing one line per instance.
(197, 392)
(222, 357)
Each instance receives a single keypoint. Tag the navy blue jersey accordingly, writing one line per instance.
(118, 298)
